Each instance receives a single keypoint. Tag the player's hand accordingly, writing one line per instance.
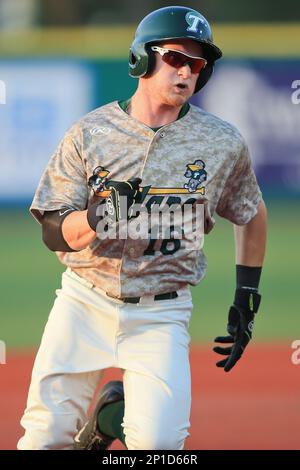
(240, 327)
(123, 196)
(118, 205)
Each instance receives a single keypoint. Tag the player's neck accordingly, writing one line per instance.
(150, 112)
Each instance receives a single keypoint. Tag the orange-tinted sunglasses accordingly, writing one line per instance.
(178, 59)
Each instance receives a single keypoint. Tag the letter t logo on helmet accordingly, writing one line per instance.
(193, 20)
(170, 23)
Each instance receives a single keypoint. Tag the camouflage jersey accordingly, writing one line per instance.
(199, 154)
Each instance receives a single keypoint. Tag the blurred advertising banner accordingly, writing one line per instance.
(261, 98)
(43, 99)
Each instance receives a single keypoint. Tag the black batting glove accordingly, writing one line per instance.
(123, 196)
(95, 213)
(118, 205)
(240, 327)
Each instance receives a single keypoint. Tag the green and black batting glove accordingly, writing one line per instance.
(123, 196)
(118, 205)
(240, 327)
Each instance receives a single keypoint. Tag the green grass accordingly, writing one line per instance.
(30, 274)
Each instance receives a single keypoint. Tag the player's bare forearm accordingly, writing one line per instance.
(76, 230)
(250, 239)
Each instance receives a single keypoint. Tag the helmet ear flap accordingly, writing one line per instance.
(151, 60)
(132, 58)
(204, 76)
(138, 60)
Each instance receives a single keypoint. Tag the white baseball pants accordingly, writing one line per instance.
(88, 332)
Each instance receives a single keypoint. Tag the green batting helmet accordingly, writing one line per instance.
(170, 23)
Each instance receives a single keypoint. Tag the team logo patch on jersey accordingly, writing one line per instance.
(197, 175)
(99, 182)
(100, 130)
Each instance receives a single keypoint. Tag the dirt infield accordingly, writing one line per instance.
(256, 406)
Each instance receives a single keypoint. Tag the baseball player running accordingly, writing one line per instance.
(125, 301)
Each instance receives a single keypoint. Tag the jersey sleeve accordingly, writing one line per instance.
(64, 181)
(241, 195)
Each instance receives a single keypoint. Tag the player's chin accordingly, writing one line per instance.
(178, 99)
(182, 94)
